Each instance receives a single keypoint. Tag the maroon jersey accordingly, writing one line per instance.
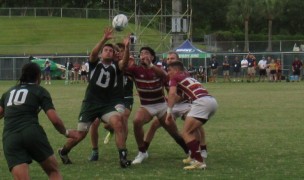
(191, 88)
(149, 86)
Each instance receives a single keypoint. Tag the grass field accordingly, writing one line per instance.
(53, 35)
(256, 134)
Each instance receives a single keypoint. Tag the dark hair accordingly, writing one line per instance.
(109, 45)
(152, 52)
(175, 53)
(120, 45)
(177, 64)
(30, 73)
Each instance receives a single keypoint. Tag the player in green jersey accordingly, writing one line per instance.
(101, 97)
(24, 139)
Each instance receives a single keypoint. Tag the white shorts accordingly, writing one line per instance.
(180, 109)
(203, 107)
(157, 110)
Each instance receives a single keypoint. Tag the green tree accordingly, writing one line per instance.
(241, 10)
(271, 9)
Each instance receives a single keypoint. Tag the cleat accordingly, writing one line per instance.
(108, 137)
(140, 157)
(188, 160)
(94, 156)
(195, 165)
(125, 163)
(64, 158)
(204, 153)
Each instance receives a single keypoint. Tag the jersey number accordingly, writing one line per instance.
(103, 79)
(17, 97)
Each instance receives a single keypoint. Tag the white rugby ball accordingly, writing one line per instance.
(119, 22)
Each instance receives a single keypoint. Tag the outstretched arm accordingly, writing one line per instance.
(58, 124)
(124, 63)
(106, 36)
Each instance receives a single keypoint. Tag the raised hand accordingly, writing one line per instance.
(108, 33)
(126, 40)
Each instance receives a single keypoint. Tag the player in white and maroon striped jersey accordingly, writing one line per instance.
(202, 108)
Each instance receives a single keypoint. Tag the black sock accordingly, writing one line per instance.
(123, 153)
(203, 147)
(64, 150)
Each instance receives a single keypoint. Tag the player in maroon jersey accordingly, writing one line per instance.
(148, 79)
(180, 109)
(202, 108)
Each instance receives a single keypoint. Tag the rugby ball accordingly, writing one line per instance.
(119, 22)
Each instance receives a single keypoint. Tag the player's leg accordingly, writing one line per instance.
(203, 144)
(142, 116)
(21, 171)
(116, 122)
(50, 167)
(151, 132)
(94, 140)
(171, 128)
(190, 130)
(69, 145)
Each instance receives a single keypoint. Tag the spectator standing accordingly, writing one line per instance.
(273, 70)
(83, 72)
(236, 69)
(244, 68)
(69, 73)
(279, 69)
(296, 69)
(201, 74)
(262, 69)
(214, 69)
(251, 67)
(47, 72)
(226, 69)
(192, 71)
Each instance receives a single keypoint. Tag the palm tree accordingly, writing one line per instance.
(241, 10)
(271, 9)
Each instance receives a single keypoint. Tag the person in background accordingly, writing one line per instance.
(296, 69)
(251, 67)
(273, 70)
(262, 69)
(192, 71)
(226, 69)
(244, 68)
(201, 74)
(76, 69)
(236, 69)
(69, 72)
(279, 69)
(47, 72)
(24, 139)
(83, 72)
(214, 69)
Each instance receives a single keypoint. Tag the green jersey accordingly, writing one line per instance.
(106, 83)
(22, 104)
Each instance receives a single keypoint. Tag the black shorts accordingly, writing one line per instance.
(262, 72)
(83, 73)
(297, 72)
(26, 145)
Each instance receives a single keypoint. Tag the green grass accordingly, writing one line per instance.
(53, 35)
(256, 133)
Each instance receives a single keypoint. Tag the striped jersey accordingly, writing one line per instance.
(149, 86)
(191, 88)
